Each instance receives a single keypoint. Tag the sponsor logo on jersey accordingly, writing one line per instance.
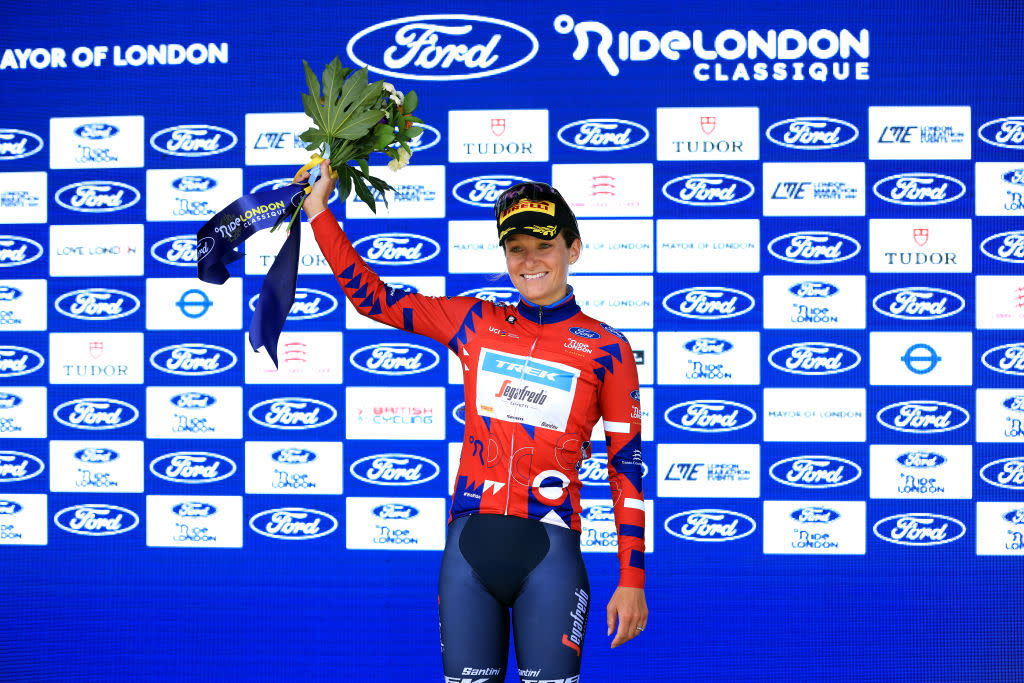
(483, 190)
(95, 413)
(97, 303)
(292, 413)
(394, 469)
(1008, 358)
(918, 303)
(496, 295)
(293, 523)
(18, 251)
(708, 189)
(922, 417)
(708, 303)
(309, 304)
(188, 467)
(584, 333)
(396, 249)
(394, 359)
(18, 144)
(919, 189)
(96, 520)
(97, 196)
(919, 528)
(1005, 132)
(1005, 246)
(395, 511)
(812, 132)
(193, 140)
(193, 360)
(17, 466)
(594, 472)
(814, 358)
(710, 525)
(814, 246)
(602, 135)
(710, 416)
(16, 361)
(815, 471)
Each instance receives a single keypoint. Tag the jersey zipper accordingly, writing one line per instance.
(512, 444)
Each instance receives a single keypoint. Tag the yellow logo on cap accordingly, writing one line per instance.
(547, 231)
(527, 205)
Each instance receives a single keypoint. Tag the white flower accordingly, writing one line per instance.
(401, 162)
(396, 96)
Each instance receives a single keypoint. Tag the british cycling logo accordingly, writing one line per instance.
(708, 189)
(814, 246)
(483, 190)
(96, 455)
(710, 525)
(603, 135)
(922, 417)
(193, 360)
(97, 303)
(1007, 358)
(293, 523)
(193, 140)
(16, 250)
(309, 304)
(918, 303)
(919, 189)
(702, 415)
(292, 413)
(16, 361)
(1006, 473)
(1005, 246)
(95, 413)
(394, 469)
(18, 144)
(918, 528)
(18, 466)
(814, 358)
(396, 249)
(96, 520)
(394, 359)
(97, 196)
(815, 471)
(193, 467)
(812, 132)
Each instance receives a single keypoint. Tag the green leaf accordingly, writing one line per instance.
(315, 112)
(357, 125)
(344, 184)
(314, 85)
(355, 87)
(413, 132)
(364, 194)
(405, 145)
(334, 76)
(410, 102)
(382, 187)
(363, 166)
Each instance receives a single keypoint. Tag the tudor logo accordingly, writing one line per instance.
(498, 126)
(921, 236)
(707, 124)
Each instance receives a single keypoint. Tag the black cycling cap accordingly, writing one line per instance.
(534, 209)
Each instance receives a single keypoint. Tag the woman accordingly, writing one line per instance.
(538, 376)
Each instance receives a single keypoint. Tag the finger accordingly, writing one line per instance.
(611, 619)
(627, 630)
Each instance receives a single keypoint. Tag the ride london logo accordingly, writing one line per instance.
(176, 521)
(294, 467)
(100, 142)
(394, 523)
(814, 527)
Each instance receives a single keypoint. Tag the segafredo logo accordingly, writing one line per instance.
(710, 416)
(1005, 132)
(1006, 473)
(708, 303)
(394, 469)
(814, 358)
(292, 413)
(812, 132)
(18, 466)
(1007, 359)
(815, 471)
(814, 515)
(812, 289)
(18, 144)
(18, 251)
(919, 189)
(710, 525)
(919, 528)
(97, 131)
(96, 520)
(193, 183)
(483, 190)
(97, 303)
(194, 509)
(707, 345)
(193, 141)
(594, 472)
(425, 140)
(394, 359)
(97, 196)
(193, 360)
(95, 413)
(293, 524)
(922, 417)
(708, 189)
(16, 361)
(920, 459)
(602, 135)
(193, 467)
(1005, 246)
(918, 303)
(814, 246)
(96, 455)
(395, 511)
(308, 305)
(442, 47)
(584, 333)
(396, 249)
(192, 400)
(495, 295)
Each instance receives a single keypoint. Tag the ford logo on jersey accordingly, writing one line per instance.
(395, 511)
(710, 416)
(17, 466)
(635, 394)
(922, 417)
(708, 303)
(394, 359)
(812, 132)
(194, 509)
(919, 528)
(921, 189)
(1005, 132)
(710, 525)
(707, 345)
(814, 515)
(193, 360)
(193, 141)
(815, 471)
(602, 135)
(187, 467)
(442, 47)
(594, 472)
(1014, 177)
(708, 189)
(309, 304)
(425, 140)
(9, 507)
(1005, 246)
(9, 401)
(95, 413)
(496, 295)
(193, 400)
(394, 469)
(814, 358)
(293, 524)
(179, 250)
(97, 196)
(396, 249)
(1006, 473)
(96, 455)
(918, 303)
(459, 413)
(18, 144)
(18, 251)
(292, 413)
(96, 131)
(814, 246)
(96, 520)
(17, 360)
(483, 190)
(1007, 359)
(97, 303)
(920, 459)
(193, 183)
(584, 333)
(811, 289)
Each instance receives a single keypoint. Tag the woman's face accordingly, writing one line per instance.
(539, 268)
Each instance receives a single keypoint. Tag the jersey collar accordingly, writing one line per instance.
(563, 309)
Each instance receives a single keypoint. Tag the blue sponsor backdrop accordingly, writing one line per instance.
(107, 607)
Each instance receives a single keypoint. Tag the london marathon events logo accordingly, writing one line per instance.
(1007, 358)
(293, 524)
(442, 47)
(97, 303)
(193, 360)
(814, 358)
(96, 520)
(815, 471)
(814, 246)
(1005, 132)
(193, 140)
(16, 250)
(396, 249)
(812, 132)
(394, 359)
(922, 417)
(95, 413)
(919, 189)
(708, 189)
(483, 190)
(16, 361)
(97, 196)
(1007, 473)
(602, 135)
(18, 466)
(309, 304)
(710, 416)
(918, 528)
(394, 469)
(918, 303)
(292, 413)
(18, 144)
(710, 525)
(1005, 246)
(193, 467)
(708, 303)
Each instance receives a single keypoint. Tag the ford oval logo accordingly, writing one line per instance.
(16, 361)
(309, 304)
(814, 515)
(594, 472)
(811, 289)
(193, 400)
(922, 417)
(394, 359)
(194, 509)
(710, 525)
(635, 394)
(459, 413)
(97, 303)
(708, 189)
(602, 135)
(204, 247)
(814, 246)
(1014, 177)
(1005, 132)
(97, 131)
(193, 360)
(97, 196)
(442, 47)
(18, 144)
(96, 520)
(293, 524)
(9, 507)
(193, 141)
(918, 528)
(292, 413)
(815, 471)
(812, 132)
(425, 140)
(293, 456)
(395, 511)
(96, 455)
(708, 303)
(9, 401)
(394, 469)
(598, 513)
(920, 459)
(193, 467)
(707, 345)
(1006, 473)
(1014, 403)
(95, 413)
(918, 303)
(483, 190)
(1007, 359)
(1015, 517)
(193, 183)
(9, 293)
(18, 251)
(710, 416)
(496, 295)
(814, 358)
(17, 466)
(396, 249)
(1005, 246)
(584, 333)
(919, 189)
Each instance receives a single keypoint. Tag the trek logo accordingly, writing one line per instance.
(516, 368)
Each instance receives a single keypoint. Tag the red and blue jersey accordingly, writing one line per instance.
(537, 379)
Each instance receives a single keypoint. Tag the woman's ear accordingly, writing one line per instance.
(574, 251)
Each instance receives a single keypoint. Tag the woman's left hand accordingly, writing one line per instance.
(629, 605)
